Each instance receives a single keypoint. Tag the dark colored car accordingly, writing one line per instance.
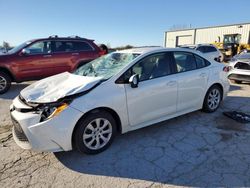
(40, 58)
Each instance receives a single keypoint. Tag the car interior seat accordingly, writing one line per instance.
(162, 68)
(147, 69)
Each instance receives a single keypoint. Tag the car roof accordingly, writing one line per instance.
(141, 50)
(76, 38)
(157, 49)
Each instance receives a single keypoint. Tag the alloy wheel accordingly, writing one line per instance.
(3, 83)
(97, 133)
(214, 99)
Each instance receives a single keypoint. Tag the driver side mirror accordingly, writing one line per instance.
(25, 51)
(134, 80)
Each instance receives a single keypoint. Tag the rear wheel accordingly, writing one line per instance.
(95, 133)
(5, 82)
(212, 99)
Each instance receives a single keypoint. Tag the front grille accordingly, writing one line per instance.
(19, 131)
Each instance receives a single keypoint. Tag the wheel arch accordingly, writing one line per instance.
(203, 108)
(95, 110)
(219, 85)
(7, 71)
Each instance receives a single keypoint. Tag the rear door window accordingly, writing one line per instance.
(63, 46)
(184, 61)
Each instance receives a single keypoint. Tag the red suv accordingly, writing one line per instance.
(41, 58)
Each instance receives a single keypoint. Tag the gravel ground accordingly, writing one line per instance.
(196, 149)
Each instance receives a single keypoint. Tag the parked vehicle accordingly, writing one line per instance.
(119, 92)
(209, 50)
(239, 68)
(41, 58)
(232, 45)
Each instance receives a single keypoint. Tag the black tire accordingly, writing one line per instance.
(5, 82)
(207, 104)
(81, 129)
(236, 81)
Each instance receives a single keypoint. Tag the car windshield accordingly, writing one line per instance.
(106, 66)
(19, 47)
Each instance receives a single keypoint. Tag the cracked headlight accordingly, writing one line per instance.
(51, 111)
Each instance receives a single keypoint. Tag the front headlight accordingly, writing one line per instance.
(52, 110)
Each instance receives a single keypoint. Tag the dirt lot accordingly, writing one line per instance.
(196, 149)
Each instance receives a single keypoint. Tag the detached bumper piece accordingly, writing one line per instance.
(238, 116)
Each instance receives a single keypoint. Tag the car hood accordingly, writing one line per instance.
(56, 87)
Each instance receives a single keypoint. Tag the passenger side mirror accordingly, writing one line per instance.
(25, 51)
(134, 80)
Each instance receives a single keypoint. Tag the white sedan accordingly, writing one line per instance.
(119, 92)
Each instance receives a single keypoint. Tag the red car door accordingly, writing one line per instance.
(36, 62)
(63, 56)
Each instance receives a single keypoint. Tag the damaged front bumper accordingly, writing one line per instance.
(54, 134)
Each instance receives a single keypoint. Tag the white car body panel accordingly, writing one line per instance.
(169, 96)
(153, 106)
(191, 87)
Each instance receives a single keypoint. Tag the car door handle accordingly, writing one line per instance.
(203, 75)
(171, 83)
(75, 54)
(47, 56)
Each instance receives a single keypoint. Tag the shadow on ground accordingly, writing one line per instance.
(196, 149)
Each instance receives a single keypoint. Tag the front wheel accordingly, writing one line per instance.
(95, 133)
(212, 99)
(5, 82)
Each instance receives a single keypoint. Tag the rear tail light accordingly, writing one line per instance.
(227, 68)
(101, 52)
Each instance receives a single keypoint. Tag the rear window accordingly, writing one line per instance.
(82, 46)
(210, 49)
(201, 49)
(63, 46)
(200, 62)
(206, 49)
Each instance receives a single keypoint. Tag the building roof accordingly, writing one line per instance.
(238, 24)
